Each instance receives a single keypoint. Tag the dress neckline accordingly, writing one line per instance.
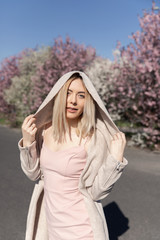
(64, 150)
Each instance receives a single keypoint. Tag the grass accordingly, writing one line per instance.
(15, 124)
(4, 121)
(121, 123)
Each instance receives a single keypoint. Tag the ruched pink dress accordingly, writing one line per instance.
(66, 213)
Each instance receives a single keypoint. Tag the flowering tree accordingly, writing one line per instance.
(137, 92)
(38, 71)
(103, 76)
(8, 69)
(65, 56)
(18, 94)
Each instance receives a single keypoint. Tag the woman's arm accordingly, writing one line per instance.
(27, 146)
(108, 174)
(111, 168)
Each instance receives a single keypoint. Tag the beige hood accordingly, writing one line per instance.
(44, 112)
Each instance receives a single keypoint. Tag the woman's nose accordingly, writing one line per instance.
(73, 99)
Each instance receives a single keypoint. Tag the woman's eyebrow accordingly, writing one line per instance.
(78, 92)
(81, 92)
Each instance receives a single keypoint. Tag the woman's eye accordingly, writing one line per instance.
(81, 96)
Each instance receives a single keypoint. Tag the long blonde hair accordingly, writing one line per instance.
(86, 124)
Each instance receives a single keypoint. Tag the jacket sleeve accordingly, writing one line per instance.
(29, 161)
(107, 175)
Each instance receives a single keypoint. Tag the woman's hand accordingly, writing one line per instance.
(118, 145)
(28, 130)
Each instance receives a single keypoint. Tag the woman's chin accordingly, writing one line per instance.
(72, 117)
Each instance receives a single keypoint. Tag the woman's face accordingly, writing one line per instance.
(75, 99)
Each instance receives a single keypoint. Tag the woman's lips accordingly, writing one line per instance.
(72, 110)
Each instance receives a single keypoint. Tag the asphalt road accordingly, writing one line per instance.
(132, 209)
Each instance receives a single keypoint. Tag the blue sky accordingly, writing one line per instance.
(97, 23)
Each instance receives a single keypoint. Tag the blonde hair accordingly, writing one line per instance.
(86, 124)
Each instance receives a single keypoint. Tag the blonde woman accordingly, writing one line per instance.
(74, 150)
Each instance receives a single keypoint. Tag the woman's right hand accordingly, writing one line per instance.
(29, 130)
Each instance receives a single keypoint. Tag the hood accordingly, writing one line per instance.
(103, 121)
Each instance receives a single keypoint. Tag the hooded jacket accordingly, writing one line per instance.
(96, 181)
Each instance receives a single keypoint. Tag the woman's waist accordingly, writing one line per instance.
(57, 182)
(61, 199)
(61, 189)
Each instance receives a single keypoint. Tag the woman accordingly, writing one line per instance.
(75, 151)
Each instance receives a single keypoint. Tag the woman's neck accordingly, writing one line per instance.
(72, 124)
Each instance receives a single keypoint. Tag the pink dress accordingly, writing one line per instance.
(66, 213)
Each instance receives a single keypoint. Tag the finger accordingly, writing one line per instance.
(34, 131)
(32, 126)
(118, 135)
(30, 122)
(31, 130)
(123, 137)
(115, 137)
(28, 117)
(28, 127)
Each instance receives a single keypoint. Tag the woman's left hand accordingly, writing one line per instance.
(118, 145)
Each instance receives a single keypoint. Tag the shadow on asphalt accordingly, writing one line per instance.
(116, 221)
